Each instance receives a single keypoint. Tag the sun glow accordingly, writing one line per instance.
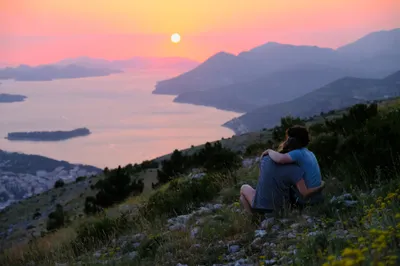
(175, 38)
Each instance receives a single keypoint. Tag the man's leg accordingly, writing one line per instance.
(247, 194)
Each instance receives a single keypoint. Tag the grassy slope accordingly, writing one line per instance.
(232, 227)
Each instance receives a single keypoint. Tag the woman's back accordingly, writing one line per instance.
(309, 163)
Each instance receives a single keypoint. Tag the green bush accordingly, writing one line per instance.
(96, 231)
(182, 195)
(80, 179)
(59, 183)
(56, 219)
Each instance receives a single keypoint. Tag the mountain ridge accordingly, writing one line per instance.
(338, 94)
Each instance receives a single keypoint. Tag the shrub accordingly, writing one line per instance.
(59, 183)
(182, 195)
(115, 188)
(56, 219)
(80, 179)
(95, 231)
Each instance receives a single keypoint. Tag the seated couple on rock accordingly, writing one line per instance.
(291, 176)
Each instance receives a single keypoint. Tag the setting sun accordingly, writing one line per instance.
(175, 38)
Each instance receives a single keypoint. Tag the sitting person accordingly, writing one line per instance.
(297, 137)
(274, 188)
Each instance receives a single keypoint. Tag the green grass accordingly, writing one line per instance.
(168, 248)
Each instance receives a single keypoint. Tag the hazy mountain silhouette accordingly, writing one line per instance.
(50, 72)
(373, 45)
(221, 69)
(336, 95)
(134, 62)
(275, 72)
(280, 86)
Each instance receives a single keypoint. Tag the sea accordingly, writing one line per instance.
(129, 124)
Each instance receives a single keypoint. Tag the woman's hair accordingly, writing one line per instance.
(297, 137)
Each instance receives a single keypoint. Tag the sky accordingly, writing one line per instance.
(44, 31)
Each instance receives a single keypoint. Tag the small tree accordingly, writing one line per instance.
(59, 183)
(56, 219)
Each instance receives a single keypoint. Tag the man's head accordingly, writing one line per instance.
(297, 137)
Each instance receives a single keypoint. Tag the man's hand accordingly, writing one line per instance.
(322, 186)
(265, 153)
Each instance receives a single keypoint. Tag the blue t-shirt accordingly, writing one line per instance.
(308, 162)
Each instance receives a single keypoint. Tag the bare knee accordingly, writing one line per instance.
(245, 189)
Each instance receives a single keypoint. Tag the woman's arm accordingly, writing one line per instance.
(305, 191)
(278, 157)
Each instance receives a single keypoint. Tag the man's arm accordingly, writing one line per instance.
(305, 191)
(277, 157)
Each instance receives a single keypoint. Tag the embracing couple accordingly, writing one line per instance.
(289, 176)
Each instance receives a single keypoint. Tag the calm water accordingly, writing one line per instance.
(128, 123)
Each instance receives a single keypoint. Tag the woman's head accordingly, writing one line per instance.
(297, 137)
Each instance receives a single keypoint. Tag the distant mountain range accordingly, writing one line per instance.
(133, 63)
(339, 94)
(50, 72)
(274, 72)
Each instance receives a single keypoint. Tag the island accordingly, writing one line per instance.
(10, 98)
(51, 72)
(48, 135)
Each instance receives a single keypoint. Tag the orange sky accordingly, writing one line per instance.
(43, 31)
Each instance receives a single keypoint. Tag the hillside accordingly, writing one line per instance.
(272, 72)
(24, 175)
(373, 44)
(194, 220)
(219, 70)
(274, 88)
(336, 95)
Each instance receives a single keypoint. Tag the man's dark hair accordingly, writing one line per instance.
(300, 133)
(297, 137)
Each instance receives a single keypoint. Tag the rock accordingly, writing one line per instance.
(256, 244)
(177, 227)
(218, 217)
(291, 235)
(234, 248)
(197, 176)
(270, 262)
(242, 262)
(267, 223)
(97, 254)
(132, 255)
(260, 233)
(200, 221)
(179, 264)
(136, 245)
(284, 221)
(275, 228)
(310, 220)
(295, 226)
(204, 210)
(138, 237)
(349, 203)
(314, 233)
(196, 246)
(194, 232)
(217, 206)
